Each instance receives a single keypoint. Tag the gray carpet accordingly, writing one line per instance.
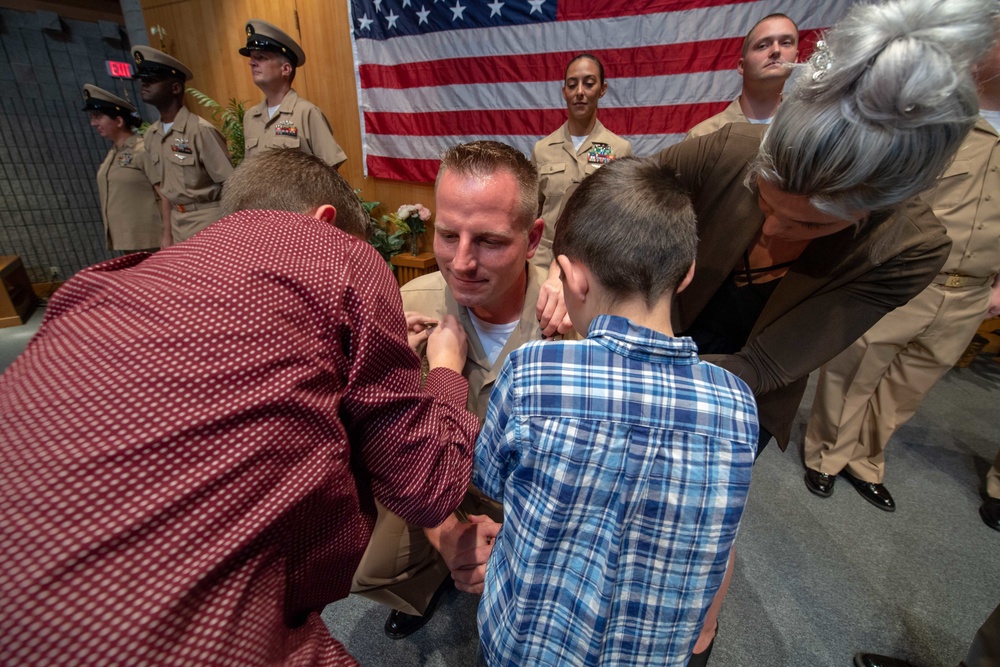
(816, 579)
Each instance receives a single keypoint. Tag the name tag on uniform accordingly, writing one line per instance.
(286, 128)
(600, 153)
(181, 146)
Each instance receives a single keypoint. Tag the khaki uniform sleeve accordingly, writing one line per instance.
(146, 163)
(324, 146)
(213, 153)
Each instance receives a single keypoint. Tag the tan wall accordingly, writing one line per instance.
(206, 34)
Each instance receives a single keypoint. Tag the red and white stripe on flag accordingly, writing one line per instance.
(434, 73)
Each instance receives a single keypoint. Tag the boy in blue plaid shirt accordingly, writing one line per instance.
(622, 460)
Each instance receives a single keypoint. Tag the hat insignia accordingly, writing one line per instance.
(138, 57)
(249, 30)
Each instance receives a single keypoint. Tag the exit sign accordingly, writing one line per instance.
(119, 69)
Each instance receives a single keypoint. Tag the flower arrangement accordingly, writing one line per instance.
(409, 220)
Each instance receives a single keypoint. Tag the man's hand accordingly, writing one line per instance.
(551, 309)
(465, 548)
(418, 328)
(446, 345)
(994, 299)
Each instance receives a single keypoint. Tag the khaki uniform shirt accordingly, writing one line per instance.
(297, 123)
(561, 169)
(430, 295)
(125, 181)
(966, 199)
(193, 163)
(731, 114)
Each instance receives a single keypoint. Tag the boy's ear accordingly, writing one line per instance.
(326, 213)
(576, 278)
(687, 279)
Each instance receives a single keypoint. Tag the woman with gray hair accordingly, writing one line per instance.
(812, 232)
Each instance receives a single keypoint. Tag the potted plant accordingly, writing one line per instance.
(409, 220)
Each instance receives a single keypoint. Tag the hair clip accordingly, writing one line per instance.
(821, 60)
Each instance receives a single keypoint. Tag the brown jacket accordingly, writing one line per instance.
(838, 288)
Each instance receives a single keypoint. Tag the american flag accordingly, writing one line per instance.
(434, 73)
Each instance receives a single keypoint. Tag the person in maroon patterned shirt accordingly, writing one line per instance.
(192, 444)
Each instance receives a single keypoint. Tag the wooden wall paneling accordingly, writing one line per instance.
(197, 34)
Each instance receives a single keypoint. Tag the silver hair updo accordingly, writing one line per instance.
(876, 114)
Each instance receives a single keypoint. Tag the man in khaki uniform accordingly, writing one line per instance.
(768, 48)
(283, 119)
(873, 387)
(187, 151)
(126, 178)
(485, 233)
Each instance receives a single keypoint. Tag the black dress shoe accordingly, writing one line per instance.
(701, 659)
(875, 660)
(874, 493)
(819, 482)
(990, 511)
(400, 624)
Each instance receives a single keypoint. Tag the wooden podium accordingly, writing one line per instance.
(17, 299)
(410, 266)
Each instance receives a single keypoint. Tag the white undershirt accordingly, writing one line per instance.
(992, 117)
(273, 110)
(167, 126)
(760, 121)
(578, 141)
(492, 336)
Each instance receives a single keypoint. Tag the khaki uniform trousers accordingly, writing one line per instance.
(985, 649)
(873, 387)
(194, 218)
(993, 478)
(400, 568)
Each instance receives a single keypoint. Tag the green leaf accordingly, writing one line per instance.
(230, 122)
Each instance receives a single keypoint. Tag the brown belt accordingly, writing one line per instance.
(958, 280)
(184, 208)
